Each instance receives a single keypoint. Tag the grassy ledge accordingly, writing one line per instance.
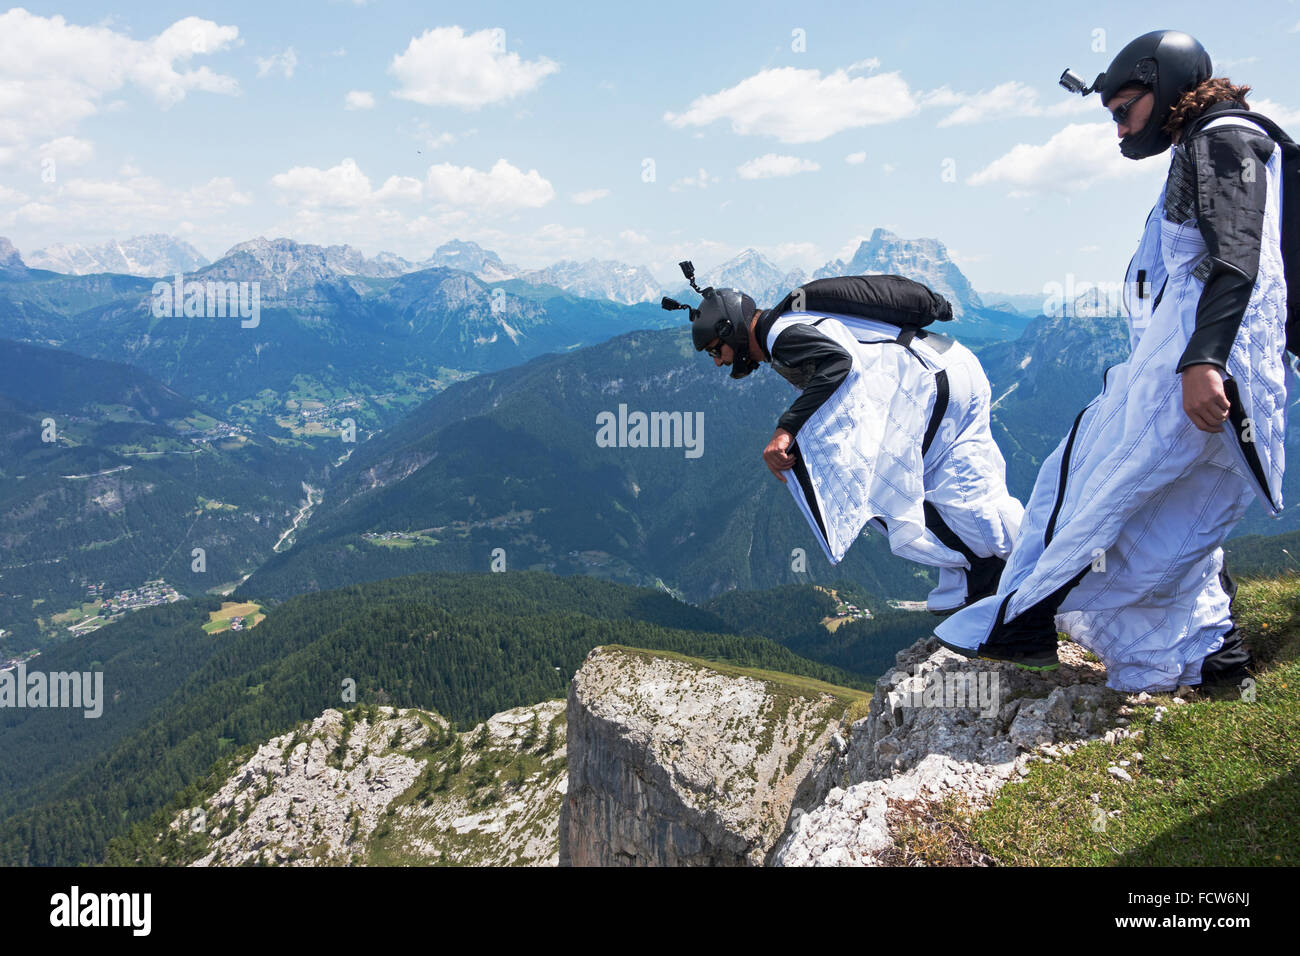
(855, 701)
(1215, 780)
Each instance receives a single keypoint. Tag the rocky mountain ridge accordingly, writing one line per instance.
(288, 263)
(157, 254)
(652, 783)
(678, 763)
(925, 260)
(387, 786)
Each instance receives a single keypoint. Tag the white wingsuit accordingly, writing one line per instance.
(907, 426)
(1138, 497)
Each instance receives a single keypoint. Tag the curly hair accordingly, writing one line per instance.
(1195, 101)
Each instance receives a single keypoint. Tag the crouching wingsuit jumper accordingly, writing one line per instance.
(1120, 546)
(892, 422)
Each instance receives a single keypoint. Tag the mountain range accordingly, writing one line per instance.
(508, 459)
(152, 255)
(925, 260)
(332, 327)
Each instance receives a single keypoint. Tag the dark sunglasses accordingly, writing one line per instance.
(1120, 113)
(714, 351)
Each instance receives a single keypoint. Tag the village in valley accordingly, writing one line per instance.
(99, 608)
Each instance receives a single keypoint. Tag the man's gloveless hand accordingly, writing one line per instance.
(1204, 400)
(777, 454)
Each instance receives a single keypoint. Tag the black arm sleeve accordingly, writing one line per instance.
(823, 364)
(1218, 319)
(1229, 188)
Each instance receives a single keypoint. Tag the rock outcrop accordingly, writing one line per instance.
(153, 255)
(924, 260)
(943, 726)
(674, 762)
(386, 786)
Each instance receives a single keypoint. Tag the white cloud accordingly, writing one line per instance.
(1076, 157)
(36, 213)
(55, 74)
(502, 187)
(283, 63)
(1225, 65)
(342, 186)
(359, 100)
(804, 254)
(554, 232)
(67, 149)
(447, 67)
(856, 159)
(100, 207)
(869, 65)
(425, 135)
(406, 215)
(802, 106)
(701, 180)
(588, 196)
(1075, 106)
(149, 196)
(772, 166)
(630, 235)
(1006, 99)
(1278, 113)
(849, 248)
(888, 168)
(1010, 99)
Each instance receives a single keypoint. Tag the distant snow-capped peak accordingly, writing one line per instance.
(152, 255)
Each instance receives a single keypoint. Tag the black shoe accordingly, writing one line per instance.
(1026, 657)
(1230, 664)
(963, 651)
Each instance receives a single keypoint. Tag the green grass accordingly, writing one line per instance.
(795, 684)
(1218, 783)
(392, 842)
(219, 621)
(402, 543)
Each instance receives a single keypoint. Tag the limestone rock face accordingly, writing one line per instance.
(942, 725)
(292, 798)
(152, 255)
(923, 260)
(673, 763)
(392, 787)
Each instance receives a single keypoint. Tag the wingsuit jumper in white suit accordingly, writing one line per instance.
(1134, 504)
(903, 441)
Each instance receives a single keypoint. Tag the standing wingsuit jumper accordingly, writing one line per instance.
(1121, 543)
(892, 422)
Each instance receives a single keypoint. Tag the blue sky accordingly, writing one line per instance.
(794, 128)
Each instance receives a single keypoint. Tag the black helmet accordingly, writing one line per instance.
(723, 314)
(1168, 63)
